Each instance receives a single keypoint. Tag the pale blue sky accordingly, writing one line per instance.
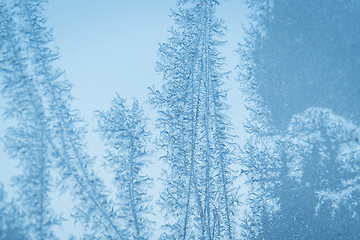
(111, 46)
